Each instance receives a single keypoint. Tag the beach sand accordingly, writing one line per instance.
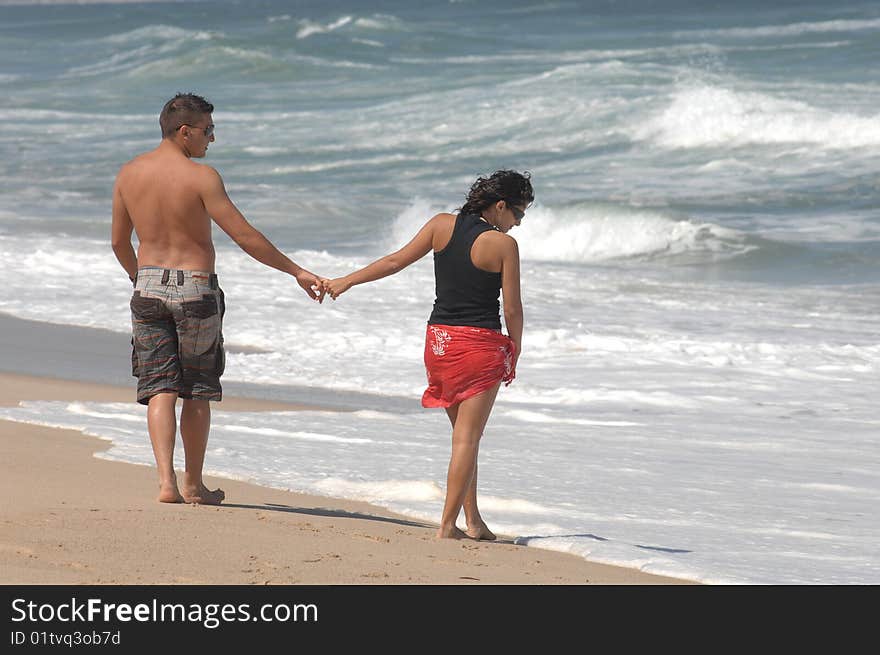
(69, 517)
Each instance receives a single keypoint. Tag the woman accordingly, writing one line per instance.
(466, 355)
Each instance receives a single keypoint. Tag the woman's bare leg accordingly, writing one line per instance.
(476, 526)
(469, 419)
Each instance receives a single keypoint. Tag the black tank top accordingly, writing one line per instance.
(466, 295)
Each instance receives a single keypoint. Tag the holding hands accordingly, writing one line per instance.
(335, 287)
(311, 284)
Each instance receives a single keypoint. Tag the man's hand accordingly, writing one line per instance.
(336, 287)
(311, 284)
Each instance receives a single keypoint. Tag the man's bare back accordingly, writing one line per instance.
(162, 192)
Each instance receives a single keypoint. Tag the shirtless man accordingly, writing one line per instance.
(177, 306)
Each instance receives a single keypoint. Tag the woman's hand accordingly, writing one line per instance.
(336, 287)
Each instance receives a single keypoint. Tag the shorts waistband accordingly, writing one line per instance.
(175, 275)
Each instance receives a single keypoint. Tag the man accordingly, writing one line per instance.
(177, 306)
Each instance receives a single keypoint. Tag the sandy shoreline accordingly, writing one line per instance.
(71, 518)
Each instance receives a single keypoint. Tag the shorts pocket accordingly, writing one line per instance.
(146, 309)
(199, 330)
(201, 309)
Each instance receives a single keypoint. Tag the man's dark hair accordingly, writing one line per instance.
(182, 109)
(512, 187)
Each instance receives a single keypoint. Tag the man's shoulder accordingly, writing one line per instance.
(201, 172)
(205, 169)
(146, 162)
(137, 162)
(134, 162)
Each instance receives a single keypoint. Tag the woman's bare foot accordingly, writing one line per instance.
(480, 532)
(168, 493)
(201, 495)
(451, 533)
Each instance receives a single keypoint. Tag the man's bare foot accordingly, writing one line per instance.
(201, 495)
(451, 533)
(480, 532)
(168, 493)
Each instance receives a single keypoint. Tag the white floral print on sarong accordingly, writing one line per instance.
(438, 343)
(508, 361)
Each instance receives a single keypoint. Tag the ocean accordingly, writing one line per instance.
(701, 267)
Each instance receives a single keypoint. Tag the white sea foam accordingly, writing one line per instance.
(130, 60)
(266, 151)
(307, 436)
(288, 358)
(309, 28)
(599, 233)
(713, 116)
(160, 33)
(380, 22)
(115, 411)
(527, 416)
(382, 490)
(341, 164)
(562, 59)
(63, 116)
(370, 42)
(790, 29)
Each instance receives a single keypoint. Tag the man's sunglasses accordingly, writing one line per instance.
(209, 131)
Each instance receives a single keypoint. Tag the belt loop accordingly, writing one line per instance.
(213, 281)
(165, 274)
(180, 278)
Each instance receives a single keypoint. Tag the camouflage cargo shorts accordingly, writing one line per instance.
(177, 337)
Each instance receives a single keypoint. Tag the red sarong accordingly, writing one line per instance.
(463, 361)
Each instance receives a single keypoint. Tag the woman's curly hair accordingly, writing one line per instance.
(512, 187)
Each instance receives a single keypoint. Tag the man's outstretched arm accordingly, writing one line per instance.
(224, 212)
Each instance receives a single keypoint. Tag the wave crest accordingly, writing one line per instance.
(158, 33)
(596, 233)
(712, 116)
